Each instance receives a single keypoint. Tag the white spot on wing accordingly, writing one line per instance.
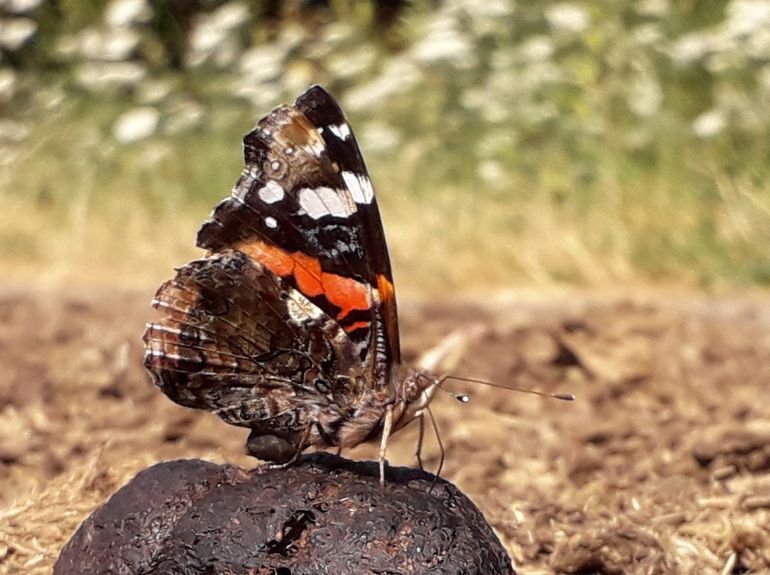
(270, 222)
(320, 202)
(242, 187)
(163, 355)
(360, 187)
(342, 131)
(301, 309)
(163, 328)
(239, 192)
(271, 192)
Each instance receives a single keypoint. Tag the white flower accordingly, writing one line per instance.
(8, 82)
(745, 16)
(567, 17)
(15, 32)
(154, 91)
(537, 48)
(261, 63)
(648, 35)
(351, 63)
(110, 44)
(20, 6)
(691, 48)
(137, 124)
(488, 9)
(645, 94)
(291, 36)
(259, 69)
(261, 96)
(474, 98)
(709, 124)
(212, 37)
(230, 16)
(758, 45)
(127, 12)
(492, 172)
(99, 76)
(398, 77)
(13, 131)
(496, 110)
(653, 8)
(337, 33)
(379, 137)
(184, 117)
(443, 42)
(536, 75)
(449, 47)
(51, 97)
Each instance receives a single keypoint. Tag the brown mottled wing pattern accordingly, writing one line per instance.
(304, 208)
(237, 341)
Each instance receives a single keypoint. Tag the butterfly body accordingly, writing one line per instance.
(288, 325)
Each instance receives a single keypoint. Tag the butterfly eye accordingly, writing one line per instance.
(322, 386)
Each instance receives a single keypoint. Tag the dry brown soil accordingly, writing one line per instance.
(662, 465)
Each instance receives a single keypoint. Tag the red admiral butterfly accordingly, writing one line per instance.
(288, 325)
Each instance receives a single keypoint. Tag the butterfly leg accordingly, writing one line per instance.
(440, 446)
(418, 452)
(386, 428)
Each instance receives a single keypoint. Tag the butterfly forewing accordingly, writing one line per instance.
(304, 207)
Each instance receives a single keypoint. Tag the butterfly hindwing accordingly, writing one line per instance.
(237, 341)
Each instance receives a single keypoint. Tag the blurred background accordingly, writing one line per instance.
(526, 143)
(593, 147)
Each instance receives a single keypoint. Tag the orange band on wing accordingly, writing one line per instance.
(275, 259)
(385, 288)
(345, 293)
(388, 300)
(357, 325)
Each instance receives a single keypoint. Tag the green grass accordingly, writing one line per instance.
(526, 154)
(75, 205)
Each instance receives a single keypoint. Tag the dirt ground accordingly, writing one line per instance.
(662, 465)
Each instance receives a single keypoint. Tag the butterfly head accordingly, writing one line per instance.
(415, 391)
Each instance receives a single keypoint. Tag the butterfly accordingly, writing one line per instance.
(288, 325)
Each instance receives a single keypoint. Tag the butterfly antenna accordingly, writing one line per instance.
(461, 397)
(464, 398)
